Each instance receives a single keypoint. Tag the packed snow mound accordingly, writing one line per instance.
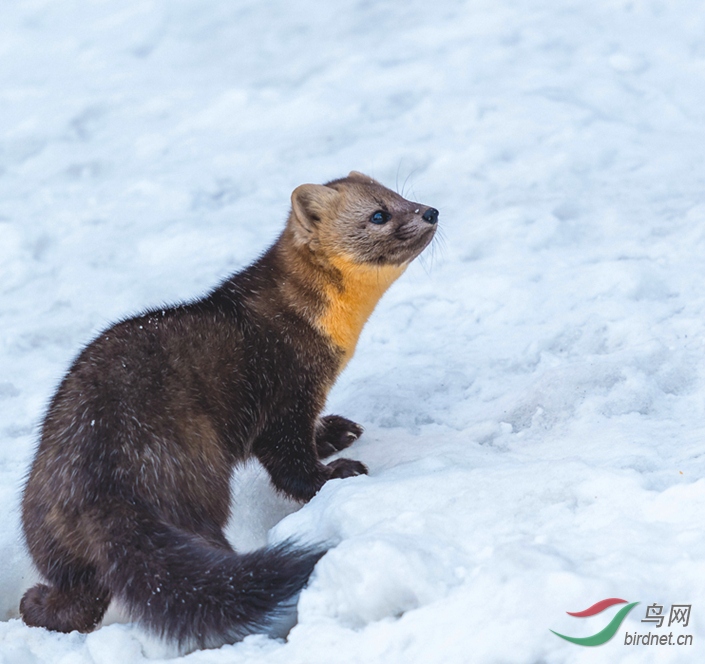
(532, 389)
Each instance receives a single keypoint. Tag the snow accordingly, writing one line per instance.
(533, 388)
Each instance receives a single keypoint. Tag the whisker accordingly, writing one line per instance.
(439, 243)
(413, 171)
(426, 261)
(438, 250)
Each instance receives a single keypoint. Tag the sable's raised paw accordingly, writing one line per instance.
(335, 433)
(346, 468)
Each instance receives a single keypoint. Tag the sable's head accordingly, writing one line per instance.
(361, 220)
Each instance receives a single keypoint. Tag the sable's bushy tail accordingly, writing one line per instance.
(184, 589)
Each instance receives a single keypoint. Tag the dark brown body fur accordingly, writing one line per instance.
(129, 491)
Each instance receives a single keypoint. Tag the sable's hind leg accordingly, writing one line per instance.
(79, 607)
(335, 433)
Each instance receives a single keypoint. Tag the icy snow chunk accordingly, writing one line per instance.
(368, 579)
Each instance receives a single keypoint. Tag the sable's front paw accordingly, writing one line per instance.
(335, 433)
(342, 468)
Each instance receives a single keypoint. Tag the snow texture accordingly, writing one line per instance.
(533, 388)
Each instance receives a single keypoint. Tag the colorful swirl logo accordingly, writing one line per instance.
(608, 632)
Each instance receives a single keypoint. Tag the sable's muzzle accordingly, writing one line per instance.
(431, 216)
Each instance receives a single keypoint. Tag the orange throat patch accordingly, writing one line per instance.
(347, 310)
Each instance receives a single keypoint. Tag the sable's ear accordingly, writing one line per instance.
(310, 203)
(356, 175)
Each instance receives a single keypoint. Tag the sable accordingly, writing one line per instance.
(129, 491)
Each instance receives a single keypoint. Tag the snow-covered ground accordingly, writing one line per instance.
(533, 389)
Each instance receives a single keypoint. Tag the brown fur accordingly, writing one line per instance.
(129, 490)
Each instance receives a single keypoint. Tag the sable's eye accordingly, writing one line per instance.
(380, 217)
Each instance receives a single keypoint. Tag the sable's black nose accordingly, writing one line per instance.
(431, 216)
